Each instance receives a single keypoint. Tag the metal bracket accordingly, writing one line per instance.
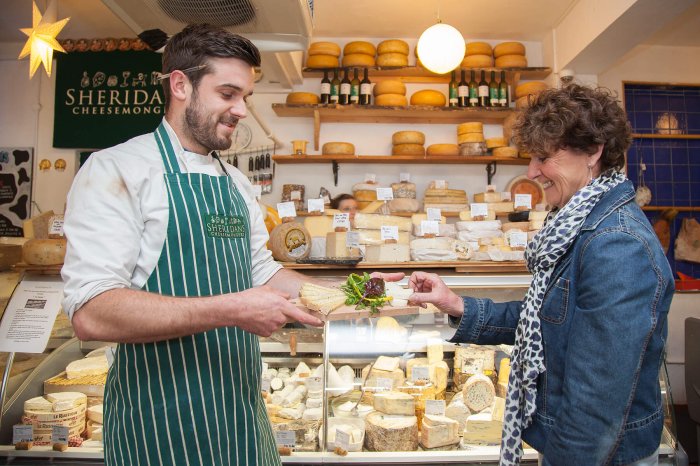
(490, 171)
(336, 167)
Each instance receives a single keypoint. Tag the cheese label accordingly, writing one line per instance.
(523, 200)
(370, 178)
(429, 227)
(342, 439)
(56, 227)
(385, 194)
(420, 373)
(314, 383)
(389, 232)
(478, 210)
(265, 385)
(404, 177)
(286, 209)
(517, 239)
(435, 407)
(285, 438)
(295, 195)
(315, 205)
(434, 214)
(59, 434)
(352, 239)
(341, 221)
(384, 383)
(440, 184)
(505, 195)
(22, 433)
(225, 226)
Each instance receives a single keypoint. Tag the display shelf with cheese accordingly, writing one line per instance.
(403, 159)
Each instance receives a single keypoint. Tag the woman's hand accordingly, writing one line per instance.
(429, 288)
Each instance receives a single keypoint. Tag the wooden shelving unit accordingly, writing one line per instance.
(665, 136)
(457, 266)
(399, 159)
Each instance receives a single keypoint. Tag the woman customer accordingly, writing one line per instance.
(345, 203)
(589, 335)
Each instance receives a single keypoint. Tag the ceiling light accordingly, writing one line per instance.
(441, 48)
(42, 41)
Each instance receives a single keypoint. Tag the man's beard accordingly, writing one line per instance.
(203, 129)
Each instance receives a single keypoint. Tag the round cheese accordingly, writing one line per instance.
(495, 142)
(442, 149)
(428, 97)
(531, 87)
(302, 98)
(507, 151)
(508, 48)
(392, 46)
(478, 48)
(391, 432)
(358, 59)
(478, 393)
(391, 100)
(470, 127)
(470, 137)
(392, 59)
(511, 61)
(365, 195)
(365, 186)
(523, 102)
(477, 61)
(324, 48)
(389, 87)
(338, 148)
(359, 46)
(289, 242)
(408, 137)
(322, 61)
(44, 251)
(408, 149)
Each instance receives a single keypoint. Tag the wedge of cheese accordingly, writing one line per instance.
(97, 365)
(385, 363)
(437, 372)
(486, 427)
(94, 413)
(376, 222)
(67, 400)
(438, 431)
(458, 411)
(388, 253)
(395, 403)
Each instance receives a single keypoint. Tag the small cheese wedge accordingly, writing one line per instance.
(395, 403)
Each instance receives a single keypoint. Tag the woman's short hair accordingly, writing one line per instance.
(575, 117)
(335, 202)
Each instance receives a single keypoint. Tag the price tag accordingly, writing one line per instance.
(286, 209)
(59, 434)
(420, 373)
(478, 210)
(352, 240)
(440, 184)
(523, 200)
(370, 178)
(435, 407)
(389, 233)
(257, 191)
(315, 205)
(314, 383)
(429, 227)
(342, 439)
(517, 239)
(490, 188)
(286, 438)
(56, 227)
(22, 433)
(434, 214)
(265, 385)
(341, 220)
(506, 196)
(385, 194)
(295, 195)
(404, 177)
(385, 383)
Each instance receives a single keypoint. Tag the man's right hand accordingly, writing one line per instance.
(429, 288)
(262, 310)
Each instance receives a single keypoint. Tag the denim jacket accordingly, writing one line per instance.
(604, 329)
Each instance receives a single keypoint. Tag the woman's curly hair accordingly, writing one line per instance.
(578, 118)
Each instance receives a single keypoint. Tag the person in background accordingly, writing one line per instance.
(345, 203)
(589, 335)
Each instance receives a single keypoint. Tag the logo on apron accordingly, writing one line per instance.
(224, 226)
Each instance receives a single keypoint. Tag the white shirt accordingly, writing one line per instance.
(117, 218)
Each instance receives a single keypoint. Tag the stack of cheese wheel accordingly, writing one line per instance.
(499, 147)
(302, 98)
(390, 93)
(429, 98)
(323, 55)
(477, 55)
(525, 92)
(392, 52)
(63, 409)
(408, 143)
(510, 55)
(470, 138)
(359, 53)
(404, 197)
(365, 193)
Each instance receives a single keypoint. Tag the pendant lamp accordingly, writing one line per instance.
(441, 48)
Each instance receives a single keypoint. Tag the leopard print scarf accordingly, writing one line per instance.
(527, 359)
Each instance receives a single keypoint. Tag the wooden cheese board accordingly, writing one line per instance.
(349, 312)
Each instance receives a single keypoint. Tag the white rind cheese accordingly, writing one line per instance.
(94, 413)
(97, 365)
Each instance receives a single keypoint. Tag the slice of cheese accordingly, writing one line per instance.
(478, 392)
(94, 413)
(385, 363)
(538, 215)
(97, 365)
(446, 244)
(488, 197)
(374, 237)
(319, 225)
(375, 222)
(486, 427)
(416, 219)
(391, 433)
(388, 253)
(396, 376)
(438, 431)
(466, 215)
(458, 411)
(437, 372)
(336, 245)
(482, 225)
(395, 403)
(403, 205)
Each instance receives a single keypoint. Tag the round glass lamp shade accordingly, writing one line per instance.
(441, 48)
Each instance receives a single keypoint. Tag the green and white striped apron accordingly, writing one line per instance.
(193, 400)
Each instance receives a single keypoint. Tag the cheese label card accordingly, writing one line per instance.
(434, 214)
(257, 191)
(341, 221)
(59, 434)
(342, 439)
(440, 184)
(295, 195)
(505, 195)
(22, 433)
(286, 438)
(389, 232)
(352, 240)
(429, 227)
(56, 227)
(490, 188)
(517, 239)
(286, 209)
(478, 210)
(385, 383)
(370, 178)
(523, 200)
(265, 385)
(404, 177)
(313, 383)
(385, 194)
(435, 407)
(420, 373)
(315, 205)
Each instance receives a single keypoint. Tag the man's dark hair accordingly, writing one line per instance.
(196, 44)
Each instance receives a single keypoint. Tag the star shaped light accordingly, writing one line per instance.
(42, 41)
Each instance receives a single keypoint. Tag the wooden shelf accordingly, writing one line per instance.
(658, 208)
(417, 74)
(665, 136)
(458, 266)
(399, 159)
(395, 214)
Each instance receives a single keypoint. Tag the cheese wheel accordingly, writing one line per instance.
(391, 100)
(511, 61)
(322, 61)
(365, 195)
(442, 149)
(324, 48)
(478, 392)
(358, 59)
(470, 137)
(404, 190)
(477, 61)
(392, 46)
(44, 251)
(508, 48)
(470, 127)
(507, 151)
(391, 432)
(408, 149)
(359, 46)
(408, 137)
(495, 142)
(531, 87)
(523, 102)
(302, 98)
(478, 48)
(392, 59)
(338, 148)
(428, 97)
(289, 242)
(389, 87)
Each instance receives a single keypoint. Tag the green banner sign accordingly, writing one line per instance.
(105, 98)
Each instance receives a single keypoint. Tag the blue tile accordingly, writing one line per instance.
(649, 173)
(695, 190)
(664, 191)
(679, 156)
(676, 103)
(694, 145)
(659, 103)
(681, 174)
(694, 173)
(642, 121)
(681, 192)
(662, 155)
(642, 103)
(692, 103)
(693, 120)
(663, 173)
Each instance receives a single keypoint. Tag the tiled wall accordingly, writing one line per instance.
(672, 165)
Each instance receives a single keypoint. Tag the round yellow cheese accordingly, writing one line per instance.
(470, 127)
(478, 48)
(365, 195)
(507, 151)
(477, 61)
(302, 98)
(391, 100)
(523, 102)
(338, 148)
(527, 88)
(392, 46)
(44, 251)
(359, 46)
(428, 97)
(508, 124)
(289, 242)
(389, 87)
(495, 142)
(508, 48)
(408, 137)
(322, 61)
(511, 61)
(442, 149)
(470, 137)
(324, 48)
(358, 59)
(524, 155)
(392, 59)
(408, 149)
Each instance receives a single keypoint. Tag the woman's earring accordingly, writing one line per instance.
(590, 173)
